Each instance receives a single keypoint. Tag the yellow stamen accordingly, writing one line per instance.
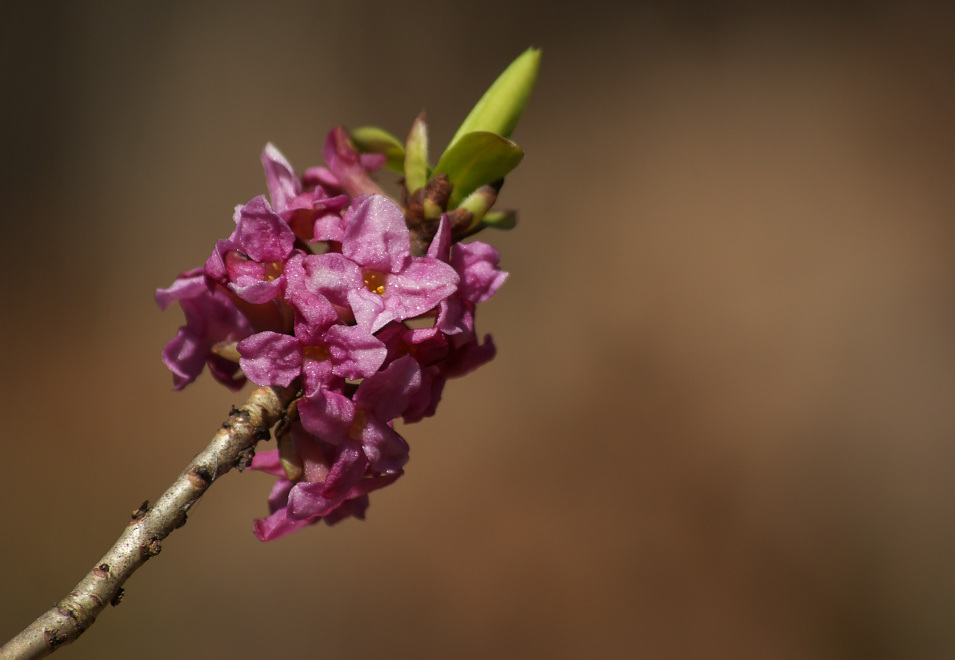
(273, 270)
(375, 281)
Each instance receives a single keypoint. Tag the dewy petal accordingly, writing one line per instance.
(370, 309)
(211, 317)
(320, 499)
(346, 164)
(315, 309)
(387, 451)
(262, 234)
(270, 358)
(477, 264)
(317, 375)
(216, 263)
(376, 236)
(355, 352)
(280, 178)
(326, 414)
(226, 372)
(426, 399)
(386, 394)
(185, 356)
(257, 291)
(420, 287)
(454, 317)
(188, 285)
(268, 461)
(440, 247)
(278, 524)
(332, 275)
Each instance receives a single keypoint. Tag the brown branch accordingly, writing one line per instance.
(231, 447)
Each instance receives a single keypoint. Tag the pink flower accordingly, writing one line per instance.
(309, 210)
(211, 318)
(251, 262)
(375, 273)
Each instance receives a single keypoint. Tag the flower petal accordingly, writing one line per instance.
(270, 358)
(376, 236)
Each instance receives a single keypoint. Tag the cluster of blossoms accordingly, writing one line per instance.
(323, 289)
(363, 305)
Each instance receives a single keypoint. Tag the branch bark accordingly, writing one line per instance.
(231, 447)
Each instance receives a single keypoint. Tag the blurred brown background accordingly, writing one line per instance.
(720, 424)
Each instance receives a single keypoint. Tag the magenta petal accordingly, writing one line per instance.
(210, 318)
(454, 317)
(185, 356)
(280, 178)
(332, 275)
(372, 162)
(477, 264)
(215, 265)
(387, 451)
(371, 310)
(187, 285)
(317, 375)
(353, 508)
(355, 352)
(429, 344)
(262, 234)
(271, 358)
(316, 311)
(376, 236)
(328, 227)
(440, 247)
(226, 372)
(257, 291)
(308, 499)
(268, 461)
(386, 394)
(420, 287)
(326, 414)
(319, 499)
(426, 399)
(279, 524)
(346, 163)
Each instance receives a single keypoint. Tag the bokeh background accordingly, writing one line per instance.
(720, 423)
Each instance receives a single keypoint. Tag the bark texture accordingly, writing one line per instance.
(232, 446)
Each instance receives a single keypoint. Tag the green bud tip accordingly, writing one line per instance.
(501, 107)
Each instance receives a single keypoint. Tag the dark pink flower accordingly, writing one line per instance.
(251, 262)
(476, 264)
(375, 273)
(332, 500)
(324, 353)
(211, 318)
(309, 210)
(347, 170)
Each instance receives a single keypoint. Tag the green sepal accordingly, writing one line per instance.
(374, 140)
(500, 219)
(477, 159)
(416, 156)
(500, 108)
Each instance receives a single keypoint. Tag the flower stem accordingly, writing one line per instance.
(231, 447)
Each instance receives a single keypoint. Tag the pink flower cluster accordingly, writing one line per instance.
(320, 290)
